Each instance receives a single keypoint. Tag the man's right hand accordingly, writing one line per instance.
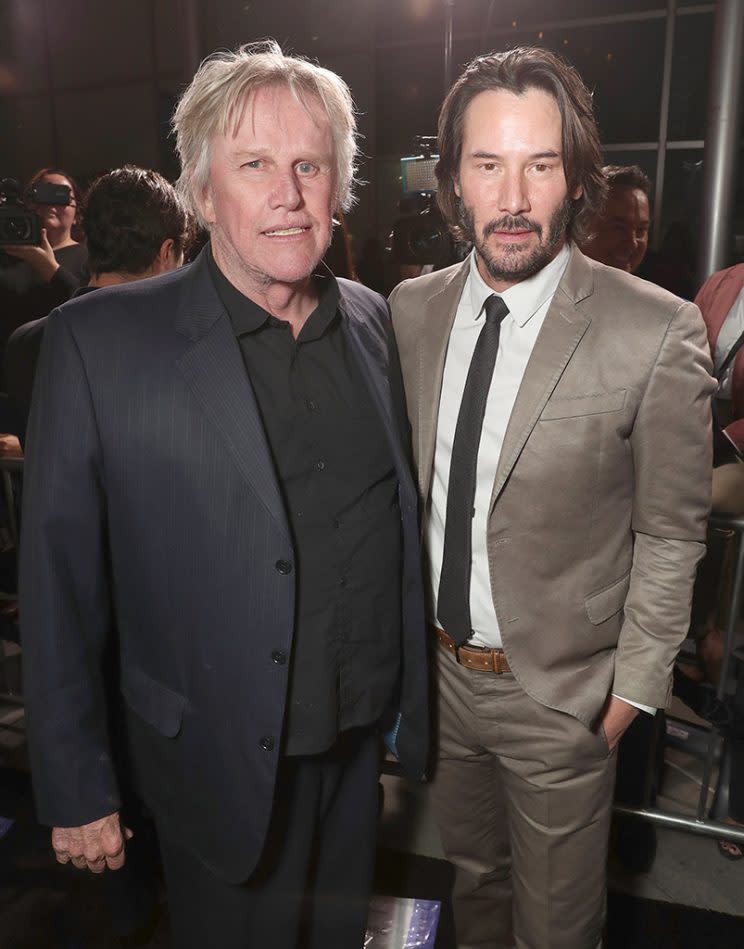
(96, 846)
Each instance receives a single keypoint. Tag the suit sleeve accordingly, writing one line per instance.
(672, 457)
(64, 600)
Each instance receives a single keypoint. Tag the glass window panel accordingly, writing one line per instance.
(693, 39)
(627, 96)
(645, 159)
(738, 215)
(673, 264)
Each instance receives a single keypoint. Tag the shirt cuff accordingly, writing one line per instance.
(644, 708)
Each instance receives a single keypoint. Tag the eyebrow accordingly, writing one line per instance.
(549, 153)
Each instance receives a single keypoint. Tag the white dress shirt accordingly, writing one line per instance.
(528, 303)
(731, 330)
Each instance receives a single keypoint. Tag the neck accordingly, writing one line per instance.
(112, 279)
(291, 302)
(59, 240)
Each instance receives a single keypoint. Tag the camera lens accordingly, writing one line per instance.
(17, 228)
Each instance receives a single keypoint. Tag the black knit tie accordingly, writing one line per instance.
(453, 605)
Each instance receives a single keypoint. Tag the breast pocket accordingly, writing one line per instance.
(582, 405)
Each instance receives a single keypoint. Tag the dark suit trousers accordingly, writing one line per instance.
(311, 887)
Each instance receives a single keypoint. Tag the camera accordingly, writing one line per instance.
(18, 223)
(420, 235)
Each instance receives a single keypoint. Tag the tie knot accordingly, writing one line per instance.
(496, 309)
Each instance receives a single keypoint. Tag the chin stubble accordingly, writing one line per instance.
(520, 269)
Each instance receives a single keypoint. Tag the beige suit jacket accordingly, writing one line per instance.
(599, 506)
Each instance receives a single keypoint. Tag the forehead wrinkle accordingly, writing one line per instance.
(235, 116)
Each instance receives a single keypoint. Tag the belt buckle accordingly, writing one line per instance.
(456, 650)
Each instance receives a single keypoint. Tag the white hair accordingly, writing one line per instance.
(215, 98)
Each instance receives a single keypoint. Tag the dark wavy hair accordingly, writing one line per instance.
(627, 176)
(516, 71)
(128, 214)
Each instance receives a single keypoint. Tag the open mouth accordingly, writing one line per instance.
(286, 231)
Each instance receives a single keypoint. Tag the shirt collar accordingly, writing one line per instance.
(525, 298)
(247, 316)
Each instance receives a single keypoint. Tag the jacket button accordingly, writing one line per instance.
(267, 744)
(279, 657)
(283, 566)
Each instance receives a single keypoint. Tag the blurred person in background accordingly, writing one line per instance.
(135, 227)
(721, 301)
(35, 279)
(619, 233)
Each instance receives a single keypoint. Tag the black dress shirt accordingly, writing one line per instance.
(335, 468)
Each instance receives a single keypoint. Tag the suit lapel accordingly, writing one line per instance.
(564, 326)
(370, 348)
(213, 368)
(371, 353)
(438, 316)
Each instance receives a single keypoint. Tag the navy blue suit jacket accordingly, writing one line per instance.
(153, 519)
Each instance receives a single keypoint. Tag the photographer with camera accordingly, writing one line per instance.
(37, 277)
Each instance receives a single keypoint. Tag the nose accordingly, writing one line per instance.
(286, 191)
(513, 196)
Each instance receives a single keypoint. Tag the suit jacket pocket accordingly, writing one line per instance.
(598, 404)
(158, 705)
(605, 603)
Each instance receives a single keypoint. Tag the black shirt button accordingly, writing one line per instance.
(319, 465)
(336, 524)
(312, 405)
(342, 582)
(266, 743)
(283, 566)
(279, 657)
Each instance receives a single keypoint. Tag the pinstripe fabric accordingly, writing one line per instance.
(152, 509)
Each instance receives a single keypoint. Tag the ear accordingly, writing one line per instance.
(206, 205)
(578, 191)
(163, 259)
(456, 186)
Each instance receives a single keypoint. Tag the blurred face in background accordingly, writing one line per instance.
(620, 233)
(57, 218)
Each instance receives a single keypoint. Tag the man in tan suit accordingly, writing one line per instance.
(560, 413)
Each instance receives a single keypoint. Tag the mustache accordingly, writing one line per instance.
(509, 223)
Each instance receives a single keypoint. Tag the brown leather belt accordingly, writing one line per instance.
(474, 657)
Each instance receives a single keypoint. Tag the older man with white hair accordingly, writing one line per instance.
(232, 513)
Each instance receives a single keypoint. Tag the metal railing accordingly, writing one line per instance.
(700, 823)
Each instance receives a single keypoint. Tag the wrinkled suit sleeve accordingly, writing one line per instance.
(672, 457)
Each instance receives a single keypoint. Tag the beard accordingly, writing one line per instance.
(512, 266)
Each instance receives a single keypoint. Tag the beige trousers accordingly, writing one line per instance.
(522, 795)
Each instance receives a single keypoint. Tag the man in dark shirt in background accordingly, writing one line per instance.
(235, 500)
